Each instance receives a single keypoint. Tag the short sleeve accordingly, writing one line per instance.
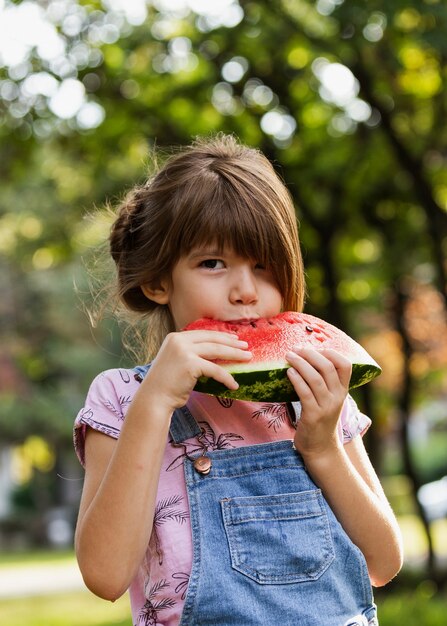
(352, 421)
(105, 407)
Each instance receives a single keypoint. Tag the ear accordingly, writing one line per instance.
(159, 294)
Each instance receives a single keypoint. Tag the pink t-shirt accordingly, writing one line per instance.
(158, 592)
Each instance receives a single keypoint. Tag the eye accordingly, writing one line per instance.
(213, 264)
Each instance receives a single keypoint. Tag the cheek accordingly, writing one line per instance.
(274, 300)
(193, 302)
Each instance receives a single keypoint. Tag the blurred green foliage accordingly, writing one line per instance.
(347, 99)
(414, 608)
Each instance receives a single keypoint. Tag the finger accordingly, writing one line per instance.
(221, 352)
(334, 369)
(341, 364)
(198, 336)
(308, 369)
(220, 374)
(304, 392)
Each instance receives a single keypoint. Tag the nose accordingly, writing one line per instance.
(244, 288)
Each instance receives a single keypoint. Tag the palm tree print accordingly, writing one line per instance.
(203, 443)
(276, 415)
(183, 584)
(220, 442)
(118, 412)
(225, 402)
(149, 612)
(125, 376)
(346, 435)
(166, 510)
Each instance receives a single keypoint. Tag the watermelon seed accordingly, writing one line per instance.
(309, 329)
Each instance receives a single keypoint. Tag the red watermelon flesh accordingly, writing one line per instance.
(264, 378)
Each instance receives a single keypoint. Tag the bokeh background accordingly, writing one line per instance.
(348, 99)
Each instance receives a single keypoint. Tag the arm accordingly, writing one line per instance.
(121, 479)
(344, 473)
(352, 489)
(118, 499)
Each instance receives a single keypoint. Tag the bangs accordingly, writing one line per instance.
(227, 217)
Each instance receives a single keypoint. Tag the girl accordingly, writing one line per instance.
(212, 511)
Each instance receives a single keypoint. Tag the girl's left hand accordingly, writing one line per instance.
(321, 380)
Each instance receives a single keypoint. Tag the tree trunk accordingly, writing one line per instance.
(404, 405)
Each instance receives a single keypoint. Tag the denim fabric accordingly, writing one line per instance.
(267, 547)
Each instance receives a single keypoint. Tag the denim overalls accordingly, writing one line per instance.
(267, 548)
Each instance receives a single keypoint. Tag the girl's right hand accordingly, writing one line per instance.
(186, 356)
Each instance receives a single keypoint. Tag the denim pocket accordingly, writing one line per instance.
(279, 539)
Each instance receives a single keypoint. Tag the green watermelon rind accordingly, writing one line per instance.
(273, 385)
(266, 380)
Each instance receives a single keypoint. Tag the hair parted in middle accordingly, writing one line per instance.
(216, 191)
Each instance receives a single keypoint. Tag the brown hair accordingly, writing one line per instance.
(214, 191)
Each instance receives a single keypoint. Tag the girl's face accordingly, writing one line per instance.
(224, 286)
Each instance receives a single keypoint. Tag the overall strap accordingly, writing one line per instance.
(183, 424)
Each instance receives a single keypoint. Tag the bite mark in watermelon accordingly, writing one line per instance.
(264, 378)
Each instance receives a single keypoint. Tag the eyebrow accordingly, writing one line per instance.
(206, 252)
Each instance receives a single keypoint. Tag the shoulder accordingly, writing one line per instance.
(105, 406)
(115, 377)
(113, 389)
(117, 382)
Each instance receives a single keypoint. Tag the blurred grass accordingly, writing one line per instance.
(37, 557)
(421, 607)
(65, 609)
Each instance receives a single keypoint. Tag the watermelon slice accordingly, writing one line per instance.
(263, 378)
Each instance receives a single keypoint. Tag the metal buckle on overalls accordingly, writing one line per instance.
(202, 463)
